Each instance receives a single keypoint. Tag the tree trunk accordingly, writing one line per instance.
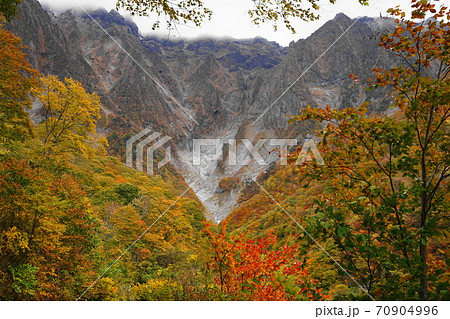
(423, 251)
(423, 292)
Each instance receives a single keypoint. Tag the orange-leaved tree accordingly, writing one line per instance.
(17, 78)
(386, 196)
(247, 269)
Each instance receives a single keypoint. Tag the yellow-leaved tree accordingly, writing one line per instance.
(69, 118)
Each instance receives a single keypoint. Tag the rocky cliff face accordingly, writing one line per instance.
(214, 89)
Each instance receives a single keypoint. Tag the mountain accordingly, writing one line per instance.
(205, 89)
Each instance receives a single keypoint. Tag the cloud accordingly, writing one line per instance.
(63, 5)
(230, 18)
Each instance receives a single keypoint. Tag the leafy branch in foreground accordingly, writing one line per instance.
(184, 11)
(286, 10)
(174, 11)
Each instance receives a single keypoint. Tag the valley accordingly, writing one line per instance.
(205, 89)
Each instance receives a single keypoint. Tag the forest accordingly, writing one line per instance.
(370, 224)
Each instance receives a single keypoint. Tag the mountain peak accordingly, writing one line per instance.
(341, 17)
(112, 17)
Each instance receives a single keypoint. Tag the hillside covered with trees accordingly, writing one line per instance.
(370, 224)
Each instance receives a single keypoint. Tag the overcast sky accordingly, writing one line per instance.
(231, 19)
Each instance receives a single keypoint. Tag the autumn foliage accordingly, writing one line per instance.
(17, 80)
(386, 185)
(76, 224)
(380, 204)
(249, 269)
